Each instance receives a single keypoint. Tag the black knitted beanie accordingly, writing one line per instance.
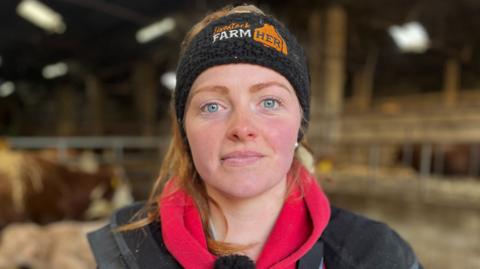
(244, 38)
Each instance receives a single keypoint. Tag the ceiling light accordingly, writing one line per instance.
(7, 88)
(55, 70)
(410, 37)
(155, 30)
(41, 15)
(169, 80)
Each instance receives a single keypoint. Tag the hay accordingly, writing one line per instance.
(56, 246)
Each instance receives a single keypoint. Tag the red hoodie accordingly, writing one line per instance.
(299, 225)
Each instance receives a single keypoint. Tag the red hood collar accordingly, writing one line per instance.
(299, 225)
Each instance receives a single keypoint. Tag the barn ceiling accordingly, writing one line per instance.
(100, 34)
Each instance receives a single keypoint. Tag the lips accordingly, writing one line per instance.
(241, 158)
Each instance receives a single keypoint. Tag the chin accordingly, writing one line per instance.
(241, 189)
(245, 193)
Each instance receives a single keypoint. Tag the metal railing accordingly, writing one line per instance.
(116, 144)
(428, 158)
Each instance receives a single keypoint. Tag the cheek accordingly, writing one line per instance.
(203, 142)
(283, 135)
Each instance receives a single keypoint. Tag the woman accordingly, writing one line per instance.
(231, 192)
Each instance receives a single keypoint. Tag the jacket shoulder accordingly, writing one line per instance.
(138, 248)
(353, 241)
(108, 246)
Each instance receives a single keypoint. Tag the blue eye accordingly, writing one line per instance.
(211, 107)
(270, 103)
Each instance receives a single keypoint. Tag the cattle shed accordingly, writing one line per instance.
(394, 124)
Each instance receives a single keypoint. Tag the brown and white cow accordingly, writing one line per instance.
(40, 190)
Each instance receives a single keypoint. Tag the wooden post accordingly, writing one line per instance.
(426, 160)
(363, 83)
(335, 45)
(95, 98)
(334, 77)
(65, 110)
(451, 82)
(145, 95)
(315, 61)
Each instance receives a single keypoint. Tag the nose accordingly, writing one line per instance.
(242, 127)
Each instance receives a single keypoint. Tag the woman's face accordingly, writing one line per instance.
(242, 122)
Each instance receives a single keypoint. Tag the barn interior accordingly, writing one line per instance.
(395, 120)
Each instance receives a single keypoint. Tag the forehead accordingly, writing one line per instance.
(232, 75)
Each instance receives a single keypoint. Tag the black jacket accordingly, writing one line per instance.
(350, 241)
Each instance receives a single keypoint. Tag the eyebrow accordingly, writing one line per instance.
(215, 88)
(260, 86)
(224, 90)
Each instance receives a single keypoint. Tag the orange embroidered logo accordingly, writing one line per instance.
(268, 36)
(231, 26)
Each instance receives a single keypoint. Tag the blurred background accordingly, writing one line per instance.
(85, 87)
